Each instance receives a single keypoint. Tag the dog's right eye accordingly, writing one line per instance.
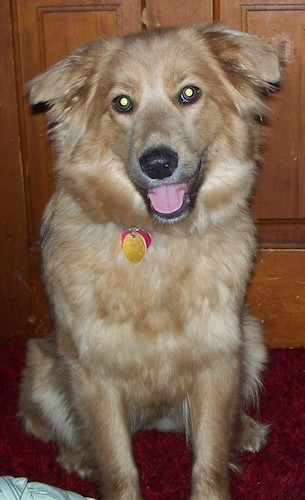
(189, 94)
(122, 104)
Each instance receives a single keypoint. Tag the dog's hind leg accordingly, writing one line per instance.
(254, 358)
(251, 435)
(43, 404)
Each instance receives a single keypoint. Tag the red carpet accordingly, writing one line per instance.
(276, 473)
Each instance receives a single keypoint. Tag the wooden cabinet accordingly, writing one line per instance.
(36, 33)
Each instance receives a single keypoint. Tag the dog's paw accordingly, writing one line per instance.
(73, 461)
(252, 435)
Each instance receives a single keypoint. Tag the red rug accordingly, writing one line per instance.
(276, 473)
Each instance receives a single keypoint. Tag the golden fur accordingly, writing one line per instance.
(166, 342)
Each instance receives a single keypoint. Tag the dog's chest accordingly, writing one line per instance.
(155, 317)
(149, 319)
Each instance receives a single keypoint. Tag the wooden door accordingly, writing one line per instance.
(277, 293)
(34, 35)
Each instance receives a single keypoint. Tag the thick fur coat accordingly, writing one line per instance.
(155, 132)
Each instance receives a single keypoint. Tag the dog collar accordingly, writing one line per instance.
(135, 243)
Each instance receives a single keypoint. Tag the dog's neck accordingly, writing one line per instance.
(135, 243)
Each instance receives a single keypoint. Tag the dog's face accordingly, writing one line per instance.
(165, 120)
(159, 128)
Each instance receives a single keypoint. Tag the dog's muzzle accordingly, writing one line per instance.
(168, 199)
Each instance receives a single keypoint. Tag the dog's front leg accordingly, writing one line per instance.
(213, 404)
(107, 423)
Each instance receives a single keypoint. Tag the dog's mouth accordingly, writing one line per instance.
(171, 202)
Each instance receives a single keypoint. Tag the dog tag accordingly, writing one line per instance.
(134, 245)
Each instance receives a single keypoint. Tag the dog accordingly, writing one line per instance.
(148, 246)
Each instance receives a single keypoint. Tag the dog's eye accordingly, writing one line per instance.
(122, 104)
(189, 94)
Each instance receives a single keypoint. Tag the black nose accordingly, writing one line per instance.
(158, 163)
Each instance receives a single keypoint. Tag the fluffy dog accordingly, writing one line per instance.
(148, 245)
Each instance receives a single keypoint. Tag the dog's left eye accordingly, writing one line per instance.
(189, 94)
(122, 104)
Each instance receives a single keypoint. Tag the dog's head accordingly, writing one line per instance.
(159, 127)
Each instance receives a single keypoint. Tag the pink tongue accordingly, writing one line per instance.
(167, 199)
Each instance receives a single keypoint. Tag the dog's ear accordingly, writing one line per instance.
(64, 78)
(245, 54)
(69, 86)
(250, 64)
(258, 59)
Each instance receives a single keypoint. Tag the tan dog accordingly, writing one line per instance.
(148, 246)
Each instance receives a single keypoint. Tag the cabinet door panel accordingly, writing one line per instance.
(46, 31)
(177, 12)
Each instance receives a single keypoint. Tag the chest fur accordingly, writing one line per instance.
(164, 316)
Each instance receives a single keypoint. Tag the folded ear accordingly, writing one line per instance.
(65, 78)
(245, 54)
(250, 64)
(257, 58)
(69, 86)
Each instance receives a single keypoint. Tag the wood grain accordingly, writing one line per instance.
(277, 296)
(15, 283)
(176, 12)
